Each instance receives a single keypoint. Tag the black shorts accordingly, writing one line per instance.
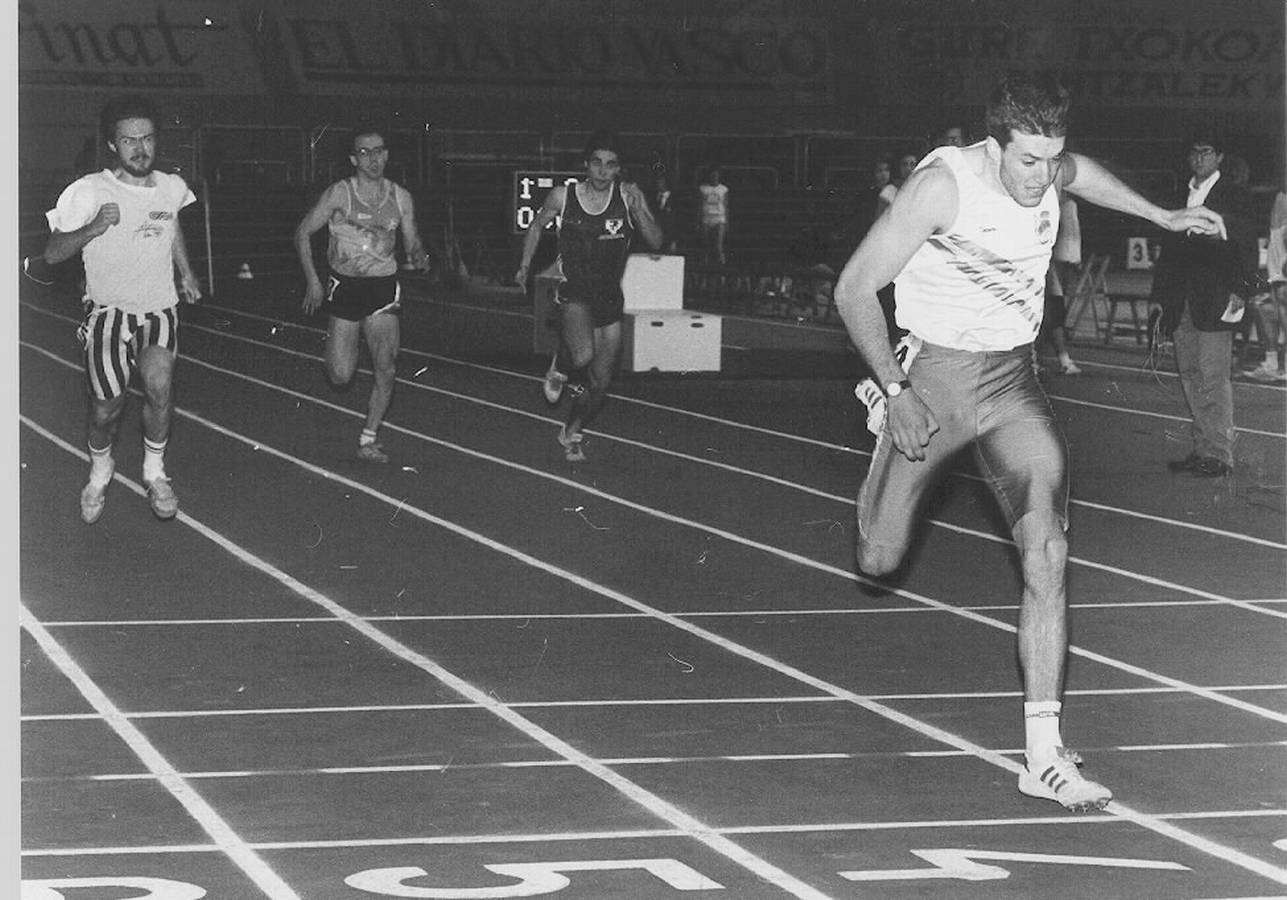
(607, 307)
(356, 298)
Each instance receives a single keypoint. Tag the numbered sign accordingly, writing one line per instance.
(1137, 255)
(530, 190)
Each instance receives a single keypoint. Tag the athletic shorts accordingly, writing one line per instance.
(990, 401)
(112, 341)
(352, 298)
(606, 308)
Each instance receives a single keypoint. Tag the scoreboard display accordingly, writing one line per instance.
(530, 191)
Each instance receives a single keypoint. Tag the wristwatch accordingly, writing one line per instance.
(897, 387)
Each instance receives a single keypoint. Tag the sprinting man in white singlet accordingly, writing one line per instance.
(967, 242)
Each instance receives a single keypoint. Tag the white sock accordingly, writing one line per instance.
(101, 465)
(367, 437)
(1041, 728)
(153, 460)
(1065, 358)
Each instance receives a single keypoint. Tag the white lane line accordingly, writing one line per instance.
(696, 829)
(689, 825)
(439, 768)
(226, 840)
(716, 420)
(1126, 411)
(782, 700)
(687, 614)
(769, 549)
(666, 833)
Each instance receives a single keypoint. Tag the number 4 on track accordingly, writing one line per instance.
(961, 865)
(534, 879)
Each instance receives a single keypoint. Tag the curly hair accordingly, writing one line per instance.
(1029, 104)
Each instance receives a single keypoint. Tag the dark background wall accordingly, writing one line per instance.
(1141, 69)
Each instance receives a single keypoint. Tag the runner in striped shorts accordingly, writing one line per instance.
(124, 221)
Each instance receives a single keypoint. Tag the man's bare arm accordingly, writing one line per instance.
(1092, 182)
(549, 211)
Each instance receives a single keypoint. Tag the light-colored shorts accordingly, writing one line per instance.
(990, 401)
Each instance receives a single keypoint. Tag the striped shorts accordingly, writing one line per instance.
(113, 339)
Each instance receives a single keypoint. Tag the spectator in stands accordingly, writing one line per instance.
(597, 218)
(968, 242)
(124, 221)
(713, 212)
(363, 296)
(1273, 318)
(1060, 279)
(1193, 280)
(951, 136)
(882, 178)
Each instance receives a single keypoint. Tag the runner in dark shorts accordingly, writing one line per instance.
(596, 218)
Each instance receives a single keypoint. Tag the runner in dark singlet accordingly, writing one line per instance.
(596, 219)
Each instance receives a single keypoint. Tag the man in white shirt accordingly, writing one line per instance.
(124, 221)
(967, 242)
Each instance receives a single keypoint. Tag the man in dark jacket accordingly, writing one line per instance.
(1193, 280)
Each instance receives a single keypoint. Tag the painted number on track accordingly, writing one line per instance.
(157, 888)
(961, 865)
(534, 879)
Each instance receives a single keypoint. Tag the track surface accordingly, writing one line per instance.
(482, 672)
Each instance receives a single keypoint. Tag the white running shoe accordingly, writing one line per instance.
(1266, 372)
(874, 399)
(93, 497)
(165, 505)
(1069, 368)
(1059, 780)
(554, 382)
(870, 394)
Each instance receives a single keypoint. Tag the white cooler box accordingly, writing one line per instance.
(671, 340)
(653, 281)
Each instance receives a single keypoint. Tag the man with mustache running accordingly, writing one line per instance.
(124, 221)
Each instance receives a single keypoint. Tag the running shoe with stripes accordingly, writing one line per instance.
(554, 382)
(571, 444)
(870, 394)
(165, 505)
(1058, 779)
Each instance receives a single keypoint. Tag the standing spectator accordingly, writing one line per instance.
(124, 221)
(713, 212)
(1193, 280)
(664, 212)
(1273, 318)
(363, 296)
(968, 241)
(597, 217)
